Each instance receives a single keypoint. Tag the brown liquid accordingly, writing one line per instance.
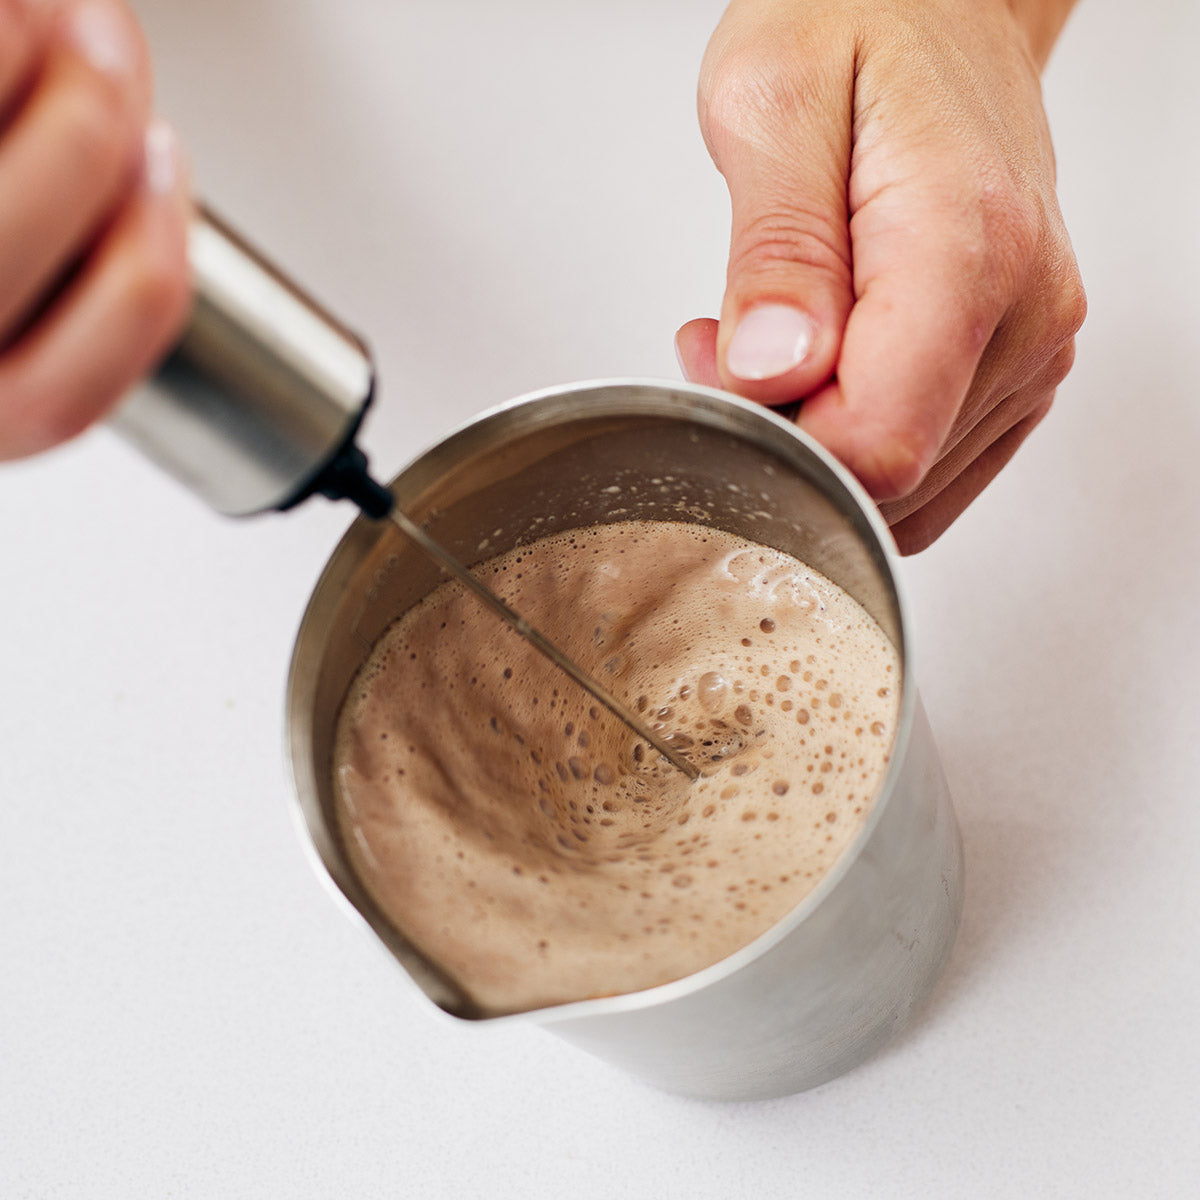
(523, 839)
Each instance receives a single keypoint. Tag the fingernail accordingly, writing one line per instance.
(99, 34)
(161, 170)
(770, 340)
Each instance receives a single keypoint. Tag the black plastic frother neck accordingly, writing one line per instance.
(347, 477)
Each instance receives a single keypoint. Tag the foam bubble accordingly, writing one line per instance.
(456, 734)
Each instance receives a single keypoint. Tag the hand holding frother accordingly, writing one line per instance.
(94, 206)
(257, 405)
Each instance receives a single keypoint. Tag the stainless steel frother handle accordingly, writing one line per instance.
(264, 392)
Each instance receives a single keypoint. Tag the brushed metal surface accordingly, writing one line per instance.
(262, 389)
(831, 982)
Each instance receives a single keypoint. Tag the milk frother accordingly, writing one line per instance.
(258, 406)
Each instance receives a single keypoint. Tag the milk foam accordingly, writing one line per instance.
(525, 841)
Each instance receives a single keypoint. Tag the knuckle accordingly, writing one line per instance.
(1063, 361)
(92, 125)
(1060, 316)
(754, 94)
(1003, 242)
(733, 90)
(918, 532)
(15, 34)
(1041, 410)
(1072, 306)
(19, 18)
(39, 419)
(778, 242)
(60, 422)
(1012, 222)
(155, 292)
(1021, 248)
(1059, 365)
(916, 521)
(898, 466)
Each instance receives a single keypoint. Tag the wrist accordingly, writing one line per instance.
(1041, 21)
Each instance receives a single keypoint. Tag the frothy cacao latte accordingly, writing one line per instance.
(528, 844)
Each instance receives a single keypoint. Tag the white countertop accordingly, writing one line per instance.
(506, 196)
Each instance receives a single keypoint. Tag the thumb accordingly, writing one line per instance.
(784, 150)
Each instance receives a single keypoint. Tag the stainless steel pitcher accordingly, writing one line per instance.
(843, 971)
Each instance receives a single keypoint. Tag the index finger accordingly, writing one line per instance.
(23, 30)
(925, 309)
